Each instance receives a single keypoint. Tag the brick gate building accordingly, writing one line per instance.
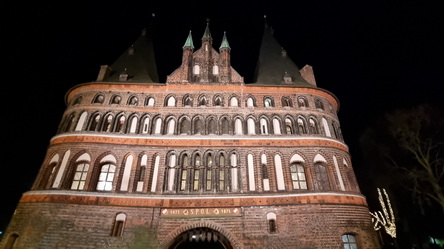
(202, 160)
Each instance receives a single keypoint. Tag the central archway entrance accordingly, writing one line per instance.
(200, 238)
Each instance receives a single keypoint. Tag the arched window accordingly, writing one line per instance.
(202, 100)
(209, 173)
(298, 176)
(196, 172)
(279, 172)
(107, 123)
(271, 218)
(198, 127)
(349, 241)
(238, 127)
(302, 128)
(187, 100)
(251, 178)
(106, 177)
(157, 125)
(80, 174)
(77, 101)
(264, 171)
(313, 126)
(141, 173)
(171, 172)
(196, 69)
(289, 126)
(119, 126)
(268, 102)
(125, 178)
(132, 128)
(217, 100)
(234, 173)
(276, 126)
(326, 127)
(133, 100)
(286, 102)
(250, 102)
(225, 126)
(319, 104)
(264, 126)
(171, 125)
(98, 99)
(145, 125)
(149, 101)
(322, 182)
(94, 122)
(215, 70)
(185, 126)
(302, 102)
(171, 101)
(221, 180)
(119, 224)
(251, 126)
(49, 173)
(116, 99)
(68, 123)
(211, 126)
(184, 172)
(81, 121)
(234, 102)
(10, 242)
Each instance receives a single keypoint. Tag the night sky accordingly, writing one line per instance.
(373, 55)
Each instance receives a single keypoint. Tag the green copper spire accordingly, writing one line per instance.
(189, 41)
(224, 43)
(207, 33)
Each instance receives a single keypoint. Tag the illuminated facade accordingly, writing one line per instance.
(202, 159)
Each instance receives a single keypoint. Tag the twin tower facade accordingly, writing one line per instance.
(203, 160)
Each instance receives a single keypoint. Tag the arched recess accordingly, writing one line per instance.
(207, 235)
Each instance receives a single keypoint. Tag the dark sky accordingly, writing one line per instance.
(373, 55)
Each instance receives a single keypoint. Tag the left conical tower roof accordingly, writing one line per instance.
(137, 62)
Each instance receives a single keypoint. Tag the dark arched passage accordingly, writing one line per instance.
(201, 237)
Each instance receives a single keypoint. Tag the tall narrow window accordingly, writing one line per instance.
(271, 218)
(264, 126)
(221, 173)
(171, 101)
(264, 171)
(106, 177)
(119, 224)
(10, 243)
(288, 126)
(209, 175)
(349, 241)
(234, 102)
(250, 102)
(145, 125)
(196, 176)
(234, 173)
(150, 101)
(183, 174)
(238, 127)
(78, 182)
(321, 177)
(251, 126)
(225, 126)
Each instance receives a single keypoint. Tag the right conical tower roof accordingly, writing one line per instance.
(274, 65)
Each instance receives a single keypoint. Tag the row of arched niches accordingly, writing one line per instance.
(216, 114)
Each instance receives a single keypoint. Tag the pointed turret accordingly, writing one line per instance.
(189, 42)
(225, 60)
(207, 34)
